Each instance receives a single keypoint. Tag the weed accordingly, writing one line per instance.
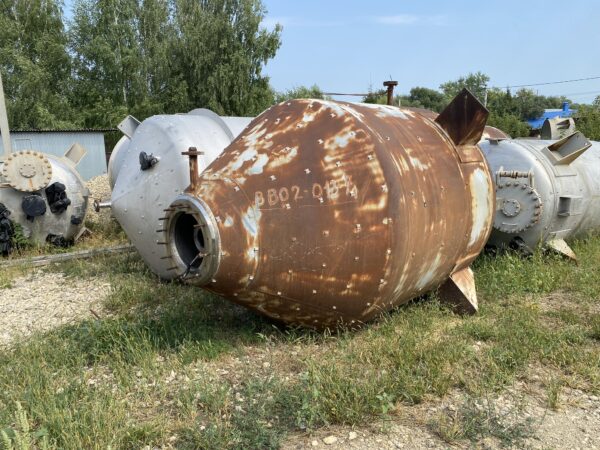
(477, 419)
(553, 389)
(20, 436)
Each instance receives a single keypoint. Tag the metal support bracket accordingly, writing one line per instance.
(459, 292)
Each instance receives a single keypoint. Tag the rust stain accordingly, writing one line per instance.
(327, 212)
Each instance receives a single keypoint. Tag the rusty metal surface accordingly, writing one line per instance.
(323, 212)
(494, 133)
(389, 85)
(489, 132)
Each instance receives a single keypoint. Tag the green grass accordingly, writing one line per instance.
(104, 232)
(173, 365)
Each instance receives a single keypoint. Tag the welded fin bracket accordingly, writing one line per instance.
(561, 247)
(75, 153)
(568, 149)
(459, 292)
(128, 126)
(464, 119)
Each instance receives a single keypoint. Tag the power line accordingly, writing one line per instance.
(350, 95)
(547, 83)
(499, 87)
(574, 94)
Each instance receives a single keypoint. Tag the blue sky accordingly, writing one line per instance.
(345, 45)
(348, 45)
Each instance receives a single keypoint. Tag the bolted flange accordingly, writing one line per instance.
(518, 207)
(27, 171)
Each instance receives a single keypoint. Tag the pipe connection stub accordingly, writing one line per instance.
(192, 239)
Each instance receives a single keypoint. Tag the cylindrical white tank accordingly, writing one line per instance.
(547, 191)
(144, 186)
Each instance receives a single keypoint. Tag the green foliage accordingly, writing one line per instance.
(163, 56)
(524, 104)
(35, 64)
(220, 51)
(19, 241)
(474, 82)
(378, 96)
(508, 112)
(300, 92)
(20, 436)
(588, 120)
(421, 97)
(509, 123)
(138, 57)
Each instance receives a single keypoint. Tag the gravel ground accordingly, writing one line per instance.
(41, 301)
(576, 425)
(100, 190)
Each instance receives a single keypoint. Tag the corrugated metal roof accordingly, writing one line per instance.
(71, 130)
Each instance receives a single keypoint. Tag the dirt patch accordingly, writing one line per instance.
(41, 301)
(576, 425)
(515, 419)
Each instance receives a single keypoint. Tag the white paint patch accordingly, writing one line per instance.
(308, 117)
(247, 155)
(418, 164)
(340, 140)
(250, 255)
(259, 165)
(431, 272)
(481, 207)
(353, 112)
(250, 220)
(373, 207)
(384, 111)
(283, 157)
(255, 134)
(228, 222)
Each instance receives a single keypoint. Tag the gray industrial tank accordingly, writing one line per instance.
(147, 171)
(546, 191)
(44, 194)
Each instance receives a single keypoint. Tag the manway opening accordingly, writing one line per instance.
(192, 238)
(189, 240)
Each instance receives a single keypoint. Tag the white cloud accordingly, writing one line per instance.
(411, 19)
(398, 19)
(392, 20)
(270, 22)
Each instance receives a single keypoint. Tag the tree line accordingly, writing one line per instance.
(139, 57)
(144, 57)
(509, 111)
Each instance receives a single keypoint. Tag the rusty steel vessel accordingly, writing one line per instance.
(326, 212)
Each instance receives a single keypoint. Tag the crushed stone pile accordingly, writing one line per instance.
(99, 190)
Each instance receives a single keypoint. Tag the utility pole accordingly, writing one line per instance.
(4, 122)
